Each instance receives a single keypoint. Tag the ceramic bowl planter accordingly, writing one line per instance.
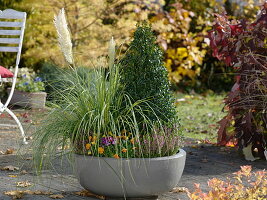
(132, 177)
(34, 100)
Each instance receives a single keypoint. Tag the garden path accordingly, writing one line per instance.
(204, 161)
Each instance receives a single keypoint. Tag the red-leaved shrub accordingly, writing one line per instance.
(243, 45)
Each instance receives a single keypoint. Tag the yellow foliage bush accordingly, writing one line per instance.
(180, 25)
(246, 185)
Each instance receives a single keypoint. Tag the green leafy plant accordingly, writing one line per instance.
(145, 76)
(245, 185)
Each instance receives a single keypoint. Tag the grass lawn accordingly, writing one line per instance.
(199, 115)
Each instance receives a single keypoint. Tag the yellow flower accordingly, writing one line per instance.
(124, 150)
(94, 138)
(92, 143)
(100, 150)
(110, 133)
(124, 137)
(116, 156)
(89, 152)
(88, 146)
(123, 131)
(132, 140)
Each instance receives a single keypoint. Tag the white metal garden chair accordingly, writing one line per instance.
(12, 25)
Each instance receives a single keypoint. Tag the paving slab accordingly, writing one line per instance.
(203, 163)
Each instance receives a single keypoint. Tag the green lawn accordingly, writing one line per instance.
(199, 115)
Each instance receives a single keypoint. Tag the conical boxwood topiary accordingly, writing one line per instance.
(145, 77)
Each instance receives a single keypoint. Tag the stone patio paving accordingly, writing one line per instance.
(203, 162)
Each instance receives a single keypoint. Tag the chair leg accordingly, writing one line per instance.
(19, 124)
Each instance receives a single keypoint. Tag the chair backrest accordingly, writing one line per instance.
(12, 25)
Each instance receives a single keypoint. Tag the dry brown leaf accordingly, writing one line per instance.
(179, 189)
(9, 151)
(29, 192)
(23, 172)
(10, 168)
(15, 194)
(37, 192)
(86, 193)
(43, 193)
(24, 184)
(56, 196)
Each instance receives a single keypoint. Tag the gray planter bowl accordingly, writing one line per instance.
(35, 100)
(134, 177)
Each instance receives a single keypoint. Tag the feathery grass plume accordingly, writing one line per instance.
(111, 52)
(64, 37)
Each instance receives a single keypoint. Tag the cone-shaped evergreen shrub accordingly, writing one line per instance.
(145, 77)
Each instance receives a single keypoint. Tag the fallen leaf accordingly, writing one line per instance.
(179, 189)
(10, 168)
(204, 160)
(37, 192)
(86, 193)
(25, 115)
(204, 131)
(13, 176)
(15, 194)
(24, 184)
(248, 153)
(23, 172)
(29, 138)
(9, 151)
(56, 196)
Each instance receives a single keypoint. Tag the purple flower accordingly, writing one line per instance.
(26, 83)
(24, 76)
(37, 79)
(106, 141)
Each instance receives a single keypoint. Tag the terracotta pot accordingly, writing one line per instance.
(132, 177)
(35, 100)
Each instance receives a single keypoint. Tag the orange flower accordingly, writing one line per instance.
(124, 150)
(116, 156)
(93, 139)
(101, 150)
(132, 140)
(88, 146)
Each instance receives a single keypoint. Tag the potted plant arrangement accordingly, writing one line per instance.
(29, 90)
(119, 122)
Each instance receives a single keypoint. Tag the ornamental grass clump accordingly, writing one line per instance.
(243, 45)
(94, 115)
